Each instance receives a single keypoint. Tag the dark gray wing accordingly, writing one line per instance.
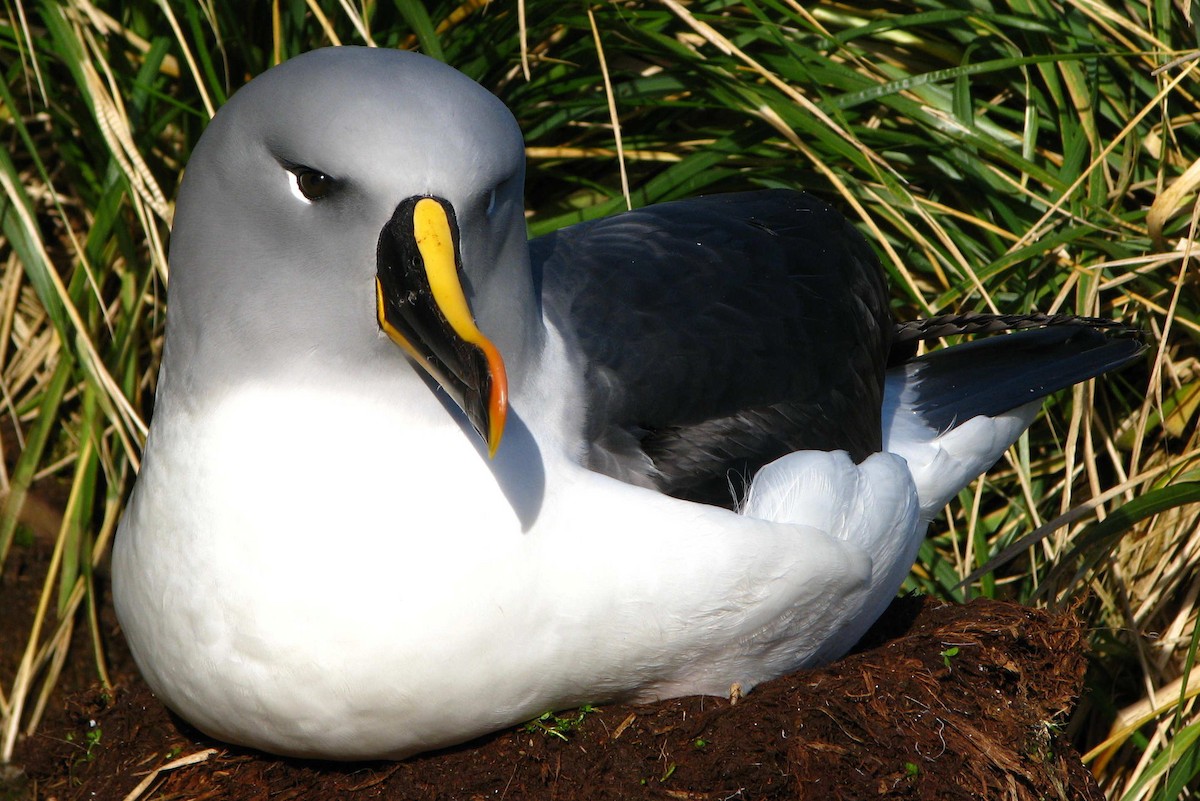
(719, 333)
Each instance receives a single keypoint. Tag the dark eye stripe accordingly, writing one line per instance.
(312, 184)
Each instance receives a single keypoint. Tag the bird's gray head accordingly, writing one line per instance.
(284, 216)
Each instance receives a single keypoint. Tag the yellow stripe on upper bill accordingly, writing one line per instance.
(431, 228)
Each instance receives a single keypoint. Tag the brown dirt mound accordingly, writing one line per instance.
(966, 702)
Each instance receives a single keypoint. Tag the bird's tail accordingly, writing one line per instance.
(951, 413)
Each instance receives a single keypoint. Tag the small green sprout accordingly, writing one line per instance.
(555, 726)
(948, 654)
(92, 739)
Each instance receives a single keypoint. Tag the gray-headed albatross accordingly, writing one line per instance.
(412, 478)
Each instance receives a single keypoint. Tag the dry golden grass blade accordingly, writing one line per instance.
(115, 127)
(156, 248)
(28, 50)
(201, 85)
(323, 21)
(612, 110)
(943, 210)
(564, 152)
(191, 759)
(358, 20)
(1170, 202)
(523, 33)
(1081, 424)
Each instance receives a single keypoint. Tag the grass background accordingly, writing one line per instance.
(1017, 156)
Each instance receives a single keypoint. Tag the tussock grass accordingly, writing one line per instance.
(1032, 155)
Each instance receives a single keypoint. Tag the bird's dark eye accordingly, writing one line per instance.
(312, 184)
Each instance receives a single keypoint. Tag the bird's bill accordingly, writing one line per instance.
(421, 306)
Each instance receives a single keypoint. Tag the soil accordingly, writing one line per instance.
(939, 702)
